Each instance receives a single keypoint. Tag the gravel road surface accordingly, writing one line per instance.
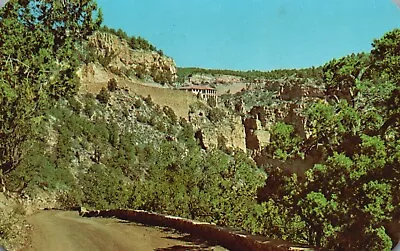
(60, 230)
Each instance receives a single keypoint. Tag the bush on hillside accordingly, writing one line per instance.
(215, 115)
(103, 96)
(136, 43)
(10, 229)
(140, 70)
(103, 188)
(112, 85)
(149, 101)
(106, 59)
(90, 105)
(212, 102)
(170, 114)
(75, 105)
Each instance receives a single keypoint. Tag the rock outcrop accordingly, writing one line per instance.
(257, 135)
(116, 55)
(217, 128)
(199, 79)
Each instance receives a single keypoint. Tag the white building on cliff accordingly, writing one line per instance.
(202, 91)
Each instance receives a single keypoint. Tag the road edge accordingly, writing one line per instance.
(225, 237)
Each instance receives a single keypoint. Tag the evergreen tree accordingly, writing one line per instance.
(38, 64)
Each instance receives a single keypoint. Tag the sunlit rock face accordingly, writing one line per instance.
(126, 60)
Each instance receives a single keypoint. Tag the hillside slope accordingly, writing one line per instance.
(110, 57)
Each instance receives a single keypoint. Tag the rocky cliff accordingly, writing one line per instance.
(117, 56)
(214, 79)
(217, 127)
(261, 105)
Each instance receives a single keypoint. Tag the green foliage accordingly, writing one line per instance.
(336, 127)
(345, 201)
(341, 75)
(83, 153)
(138, 103)
(213, 187)
(136, 43)
(75, 105)
(255, 98)
(316, 209)
(334, 207)
(38, 64)
(212, 102)
(86, 53)
(106, 59)
(103, 96)
(312, 72)
(89, 105)
(103, 188)
(215, 114)
(284, 141)
(139, 43)
(40, 172)
(149, 101)
(11, 224)
(170, 114)
(386, 56)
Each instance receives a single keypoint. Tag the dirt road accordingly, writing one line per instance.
(59, 230)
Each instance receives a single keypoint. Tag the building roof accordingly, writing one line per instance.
(197, 87)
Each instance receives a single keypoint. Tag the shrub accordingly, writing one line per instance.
(89, 104)
(75, 105)
(138, 103)
(112, 85)
(149, 101)
(103, 188)
(87, 54)
(153, 120)
(140, 71)
(215, 115)
(116, 70)
(90, 107)
(70, 200)
(103, 96)
(284, 141)
(142, 118)
(212, 102)
(170, 114)
(106, 59)
(9, 233)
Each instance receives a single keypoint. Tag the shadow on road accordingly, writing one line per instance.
(183, 248)
(192, 239)
(198, 244)
(194, 243)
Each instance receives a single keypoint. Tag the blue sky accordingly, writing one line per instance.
(254, 34)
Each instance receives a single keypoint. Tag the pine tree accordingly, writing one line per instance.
(38, 64)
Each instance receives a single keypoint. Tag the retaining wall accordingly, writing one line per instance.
(227, 238)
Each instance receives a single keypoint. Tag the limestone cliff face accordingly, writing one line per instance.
(216, 128)
(257, 135)
(259, 120)
(120, 58)
(278, 100)
(214, 79)
(292, 92)
(251, 128)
